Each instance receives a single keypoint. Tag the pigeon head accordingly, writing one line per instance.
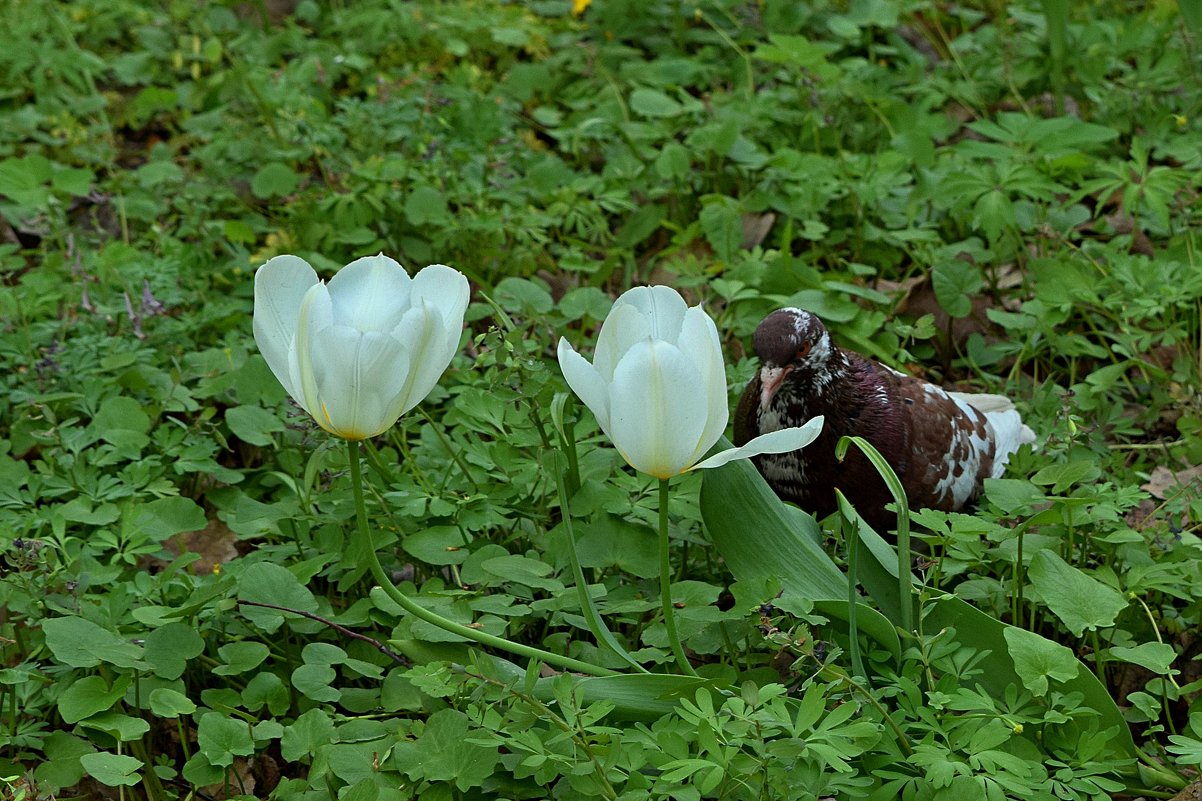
(795, 353)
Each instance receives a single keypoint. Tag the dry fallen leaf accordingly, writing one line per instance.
(1164, 483)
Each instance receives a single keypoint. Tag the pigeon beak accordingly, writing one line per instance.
(770, 380)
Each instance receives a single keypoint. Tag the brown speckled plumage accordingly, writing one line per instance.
(942, 445)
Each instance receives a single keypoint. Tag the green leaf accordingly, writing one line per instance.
(267, 689)
(443, 753)
(1157, 657)
(163, 518)
(613, 541)
(61, 767)
(758, 535)
(253, 424)
(955, 282)
(268, 583)
(122, 422)
(240, 657)
(1080, 601)
(274, 180)
(523, 570)
(523, 296)
(426, 205)
(314, 682)
(88, 695)
(1063, 476)
(1036, 660)
(114, 770)
(168, 703)
(438, 545)
(653, 103)
(306, 734)
(722, 223)
(81, 643)
(170, 647)
(1191, 14)
(123, 727)
(993, 213)
(222, 738)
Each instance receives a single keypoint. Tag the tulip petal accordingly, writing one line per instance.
(424, 335)
(370, 294)
(782, 441)
(357, 374)
(661, 305)
(623, 327)
(657, 408)
(444, 288)
(586, 382)
(447, 291)
(280, 286)
(699, 341)
(316, 315)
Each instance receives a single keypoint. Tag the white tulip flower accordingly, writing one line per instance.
(359, 352)
(657, 386)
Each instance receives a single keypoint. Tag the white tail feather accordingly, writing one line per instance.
(1008, 429)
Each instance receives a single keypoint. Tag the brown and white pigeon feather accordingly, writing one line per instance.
(941, 444)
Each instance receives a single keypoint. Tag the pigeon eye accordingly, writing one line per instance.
(804, 350)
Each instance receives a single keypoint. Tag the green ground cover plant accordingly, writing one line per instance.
(1002, 197)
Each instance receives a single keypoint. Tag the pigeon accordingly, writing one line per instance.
(941, 444)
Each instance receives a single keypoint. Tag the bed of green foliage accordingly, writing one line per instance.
(997, 196)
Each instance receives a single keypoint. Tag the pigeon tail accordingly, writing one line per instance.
(1009, 431)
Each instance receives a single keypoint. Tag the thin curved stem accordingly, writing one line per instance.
(665, 583)
(413, 608)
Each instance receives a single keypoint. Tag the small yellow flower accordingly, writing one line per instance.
(579, 6)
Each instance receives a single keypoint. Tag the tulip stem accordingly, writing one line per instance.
(413, 608)
(665, 583)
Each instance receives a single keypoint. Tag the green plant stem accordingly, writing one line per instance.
(413, 608)
(665, 583)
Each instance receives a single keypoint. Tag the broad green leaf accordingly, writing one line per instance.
(267, 689)
(61, 767)
(977, 630)
(314, 682)
(443, 753)
(240, 657)
(1063, 476)
(426, 205)
(253, 424)
(1079, 600)
(88, 695)
(162, 518)
(122, 727)
(653, 103)
(222, 738)
(81, 643)
(1157, 657)
(170, 647)
(1036, 660)
(114, 770)
(273, 180)
(722, 223)
(168, 703)
(955, 283)
(269, 583)
(438, 545)
(613, 541)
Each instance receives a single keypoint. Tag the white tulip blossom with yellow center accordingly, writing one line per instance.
(657, 386)
(362, 350)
